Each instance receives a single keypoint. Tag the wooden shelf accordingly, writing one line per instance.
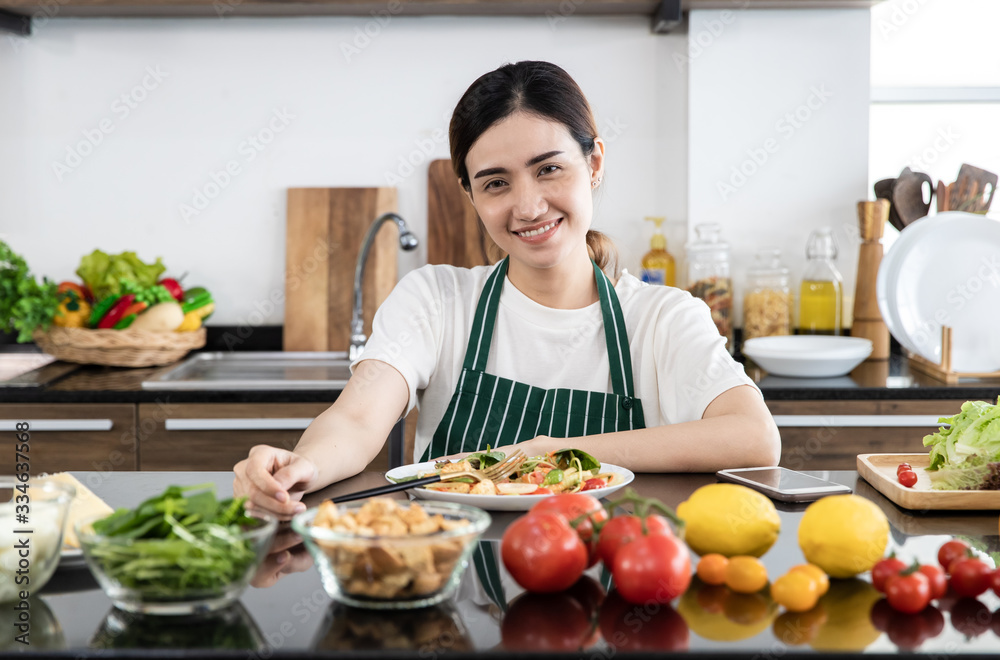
(229, 8)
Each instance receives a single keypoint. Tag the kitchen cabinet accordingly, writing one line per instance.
(71, 436)
(829, 435)
(215, 436)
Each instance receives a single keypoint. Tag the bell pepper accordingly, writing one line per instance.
(197, 298)
(116, 313)
(174, 287)
(130, 315)
(101, 308)
(81, 290)
(73, 311)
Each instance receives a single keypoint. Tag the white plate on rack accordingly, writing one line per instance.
(945, 270)
(497, 502)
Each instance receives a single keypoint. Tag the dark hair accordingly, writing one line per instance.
(540, 88)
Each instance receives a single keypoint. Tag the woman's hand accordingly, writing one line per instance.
(537, 446)
(274, 480)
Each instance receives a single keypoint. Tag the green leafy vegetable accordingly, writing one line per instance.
(103, 273)
(177, 543)
(553, 477)
(483, 459)
(25, 305)
(564, 459)
(965, 454)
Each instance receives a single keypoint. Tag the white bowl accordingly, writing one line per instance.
(807, 356)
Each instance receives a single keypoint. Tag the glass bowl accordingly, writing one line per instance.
(32, 521)
(393, 571)
(137, 576)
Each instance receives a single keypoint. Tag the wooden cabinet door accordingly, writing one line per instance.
(829, 435)
(98, 437)
(216, 436)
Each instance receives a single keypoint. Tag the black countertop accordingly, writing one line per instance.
(290, 615)
(889, 379)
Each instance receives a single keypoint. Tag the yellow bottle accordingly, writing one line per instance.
(822, 292)
(658, 266)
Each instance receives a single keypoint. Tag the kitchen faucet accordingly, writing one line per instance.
(407, 241)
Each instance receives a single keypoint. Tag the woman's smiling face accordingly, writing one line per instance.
(531, 185)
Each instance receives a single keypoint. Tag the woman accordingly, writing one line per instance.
(542, 346)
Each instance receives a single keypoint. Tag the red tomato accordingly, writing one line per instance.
(542, 552)
(908, 593)
(628, 627)
(173, 287)
(80, 289)
(970, 617)
(545, 622)
(593, 484)
(622, 529)
(880, 614)
(885, 569)
(995, 581)
(933, 621)
(936, 578)
(903, 467)
(907, 478)
(652, 569)
(536, 477)
(951, 551)
(583, 511)
(970, 577)
(542, 491)
(906, 631)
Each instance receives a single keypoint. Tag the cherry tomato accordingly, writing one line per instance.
(933, 621)
(885, 569)
(712, 569)
(622, 529)
(937, 579)
(907, 478)
(903, 467)
(542, 491)
(652, 569)
(745, 574)
(970, 577)
(795, 591)
(970, 617)
(573, 507)
(995, 581)
(593, 484)
(545, 622)
(951, 551)
(542, 552)
(908, 593)
(905, 630)
(880, 613)
(629, 627)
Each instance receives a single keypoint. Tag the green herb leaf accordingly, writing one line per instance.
(25, 305)
(564, 459)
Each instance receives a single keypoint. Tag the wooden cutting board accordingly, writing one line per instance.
(880, 471)
(324, 230)
(454, 233)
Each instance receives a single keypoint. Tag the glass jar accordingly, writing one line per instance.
(708, 276)
(822, 293)
(767, 303)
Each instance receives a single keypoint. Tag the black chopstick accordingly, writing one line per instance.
(384, 490)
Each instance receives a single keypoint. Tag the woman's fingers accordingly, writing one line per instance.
(268, 478)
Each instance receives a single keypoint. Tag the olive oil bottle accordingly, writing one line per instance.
(658, 265)
(822, 293)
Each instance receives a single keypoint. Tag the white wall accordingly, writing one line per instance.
(350, 123)
(751, 73)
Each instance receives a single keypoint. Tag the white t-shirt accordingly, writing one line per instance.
(679, 360)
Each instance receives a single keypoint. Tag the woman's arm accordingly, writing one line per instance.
(736, 430)
(338, 444)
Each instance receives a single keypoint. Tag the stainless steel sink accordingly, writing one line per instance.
(252, 370)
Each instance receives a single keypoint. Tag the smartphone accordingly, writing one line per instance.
(783, 484)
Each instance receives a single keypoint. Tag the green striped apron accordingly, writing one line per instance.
(489, 410)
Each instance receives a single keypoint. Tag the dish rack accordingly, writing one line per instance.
(943, 371)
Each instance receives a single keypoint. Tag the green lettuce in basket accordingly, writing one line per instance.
(102, 272)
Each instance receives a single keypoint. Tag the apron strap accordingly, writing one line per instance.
(616, 339)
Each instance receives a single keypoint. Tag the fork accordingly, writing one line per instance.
(494, 472)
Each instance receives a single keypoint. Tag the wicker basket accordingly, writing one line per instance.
(118, 348)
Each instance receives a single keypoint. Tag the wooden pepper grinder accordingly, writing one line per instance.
(868, 321)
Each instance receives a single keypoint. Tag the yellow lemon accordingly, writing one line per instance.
(848, 626)
(730, 520)
(843, 534)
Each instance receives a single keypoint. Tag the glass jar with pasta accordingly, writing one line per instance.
(708, 276)
(767, 301)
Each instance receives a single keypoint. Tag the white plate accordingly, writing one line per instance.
(807, 356)
(948, 273)
(885, 284)
(497, 502)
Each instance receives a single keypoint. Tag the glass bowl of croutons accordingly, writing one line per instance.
(383, 553)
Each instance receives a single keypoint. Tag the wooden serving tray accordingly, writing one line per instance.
(880, 471)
